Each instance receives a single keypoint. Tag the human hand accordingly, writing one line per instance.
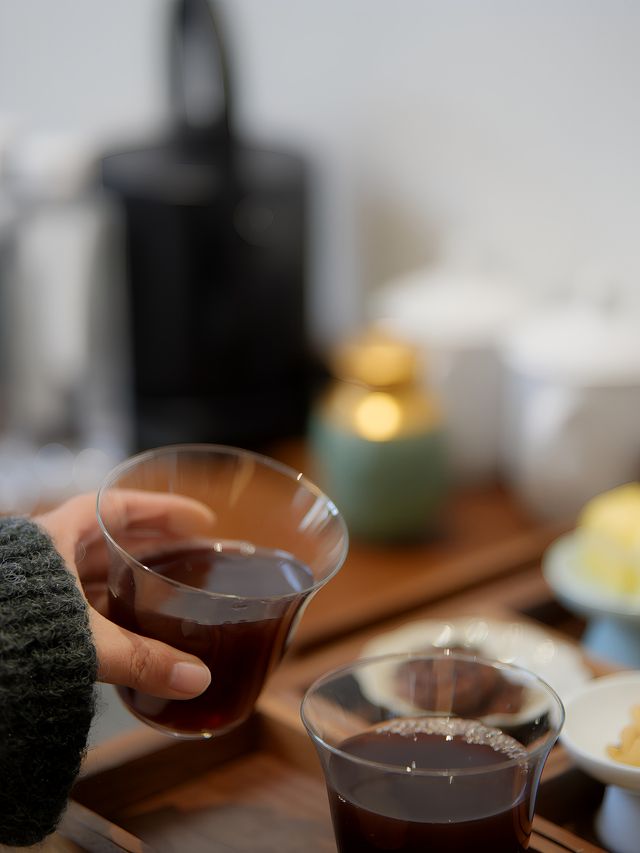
(126, 658)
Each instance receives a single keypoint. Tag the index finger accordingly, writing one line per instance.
(126, 509)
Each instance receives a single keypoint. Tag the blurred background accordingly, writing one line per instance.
(181, 261)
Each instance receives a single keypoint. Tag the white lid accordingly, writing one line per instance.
(443, 307)
(53, 164)
(580, 344)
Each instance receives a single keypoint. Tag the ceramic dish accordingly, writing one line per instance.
(562, 571)
(613, 618)
(596, 714)
(556, 662)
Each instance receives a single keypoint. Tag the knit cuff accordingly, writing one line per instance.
(48, 668)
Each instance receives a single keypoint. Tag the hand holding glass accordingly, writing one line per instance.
(232, 593)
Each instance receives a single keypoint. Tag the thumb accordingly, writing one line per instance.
(147, 665)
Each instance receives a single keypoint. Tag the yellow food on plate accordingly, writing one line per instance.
(628, 750)
(609, 537)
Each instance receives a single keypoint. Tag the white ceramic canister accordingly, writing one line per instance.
(458, 319)
(571, 419)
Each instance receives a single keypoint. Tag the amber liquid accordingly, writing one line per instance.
(239, 649)
(405, 812)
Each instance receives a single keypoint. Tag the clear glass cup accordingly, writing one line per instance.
(438, 752)
(230, 593)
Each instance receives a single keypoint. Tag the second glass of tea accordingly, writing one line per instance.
(439, 752)
(231, 594)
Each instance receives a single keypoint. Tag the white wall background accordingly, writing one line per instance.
(508, 129)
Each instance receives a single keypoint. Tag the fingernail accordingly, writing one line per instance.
(191, 678)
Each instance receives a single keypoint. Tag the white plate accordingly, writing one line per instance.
(596, 713)
(571, 584)
(556, 662)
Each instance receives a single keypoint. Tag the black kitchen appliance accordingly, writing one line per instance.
(216, 247)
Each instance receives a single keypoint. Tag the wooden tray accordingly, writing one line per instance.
(258, 790)
(568, 798)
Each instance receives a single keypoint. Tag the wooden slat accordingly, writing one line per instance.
(265, 794)
(108, 786)
(55, 843)
(258, 804)
(548, 836)
(87, 830)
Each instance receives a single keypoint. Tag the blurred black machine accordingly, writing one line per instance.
(215, 258)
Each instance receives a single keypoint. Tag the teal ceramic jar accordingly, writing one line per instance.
(378, 442)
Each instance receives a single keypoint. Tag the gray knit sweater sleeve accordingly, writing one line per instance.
(47, 674)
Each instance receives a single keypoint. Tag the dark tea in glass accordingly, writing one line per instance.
(240, 644)
(231, 595)
(406, 772)
(413, 813)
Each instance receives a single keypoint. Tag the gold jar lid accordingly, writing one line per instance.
(377, 395)
(377, 360)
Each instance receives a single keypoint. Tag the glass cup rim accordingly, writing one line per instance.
(268, 462)
(341, 671)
